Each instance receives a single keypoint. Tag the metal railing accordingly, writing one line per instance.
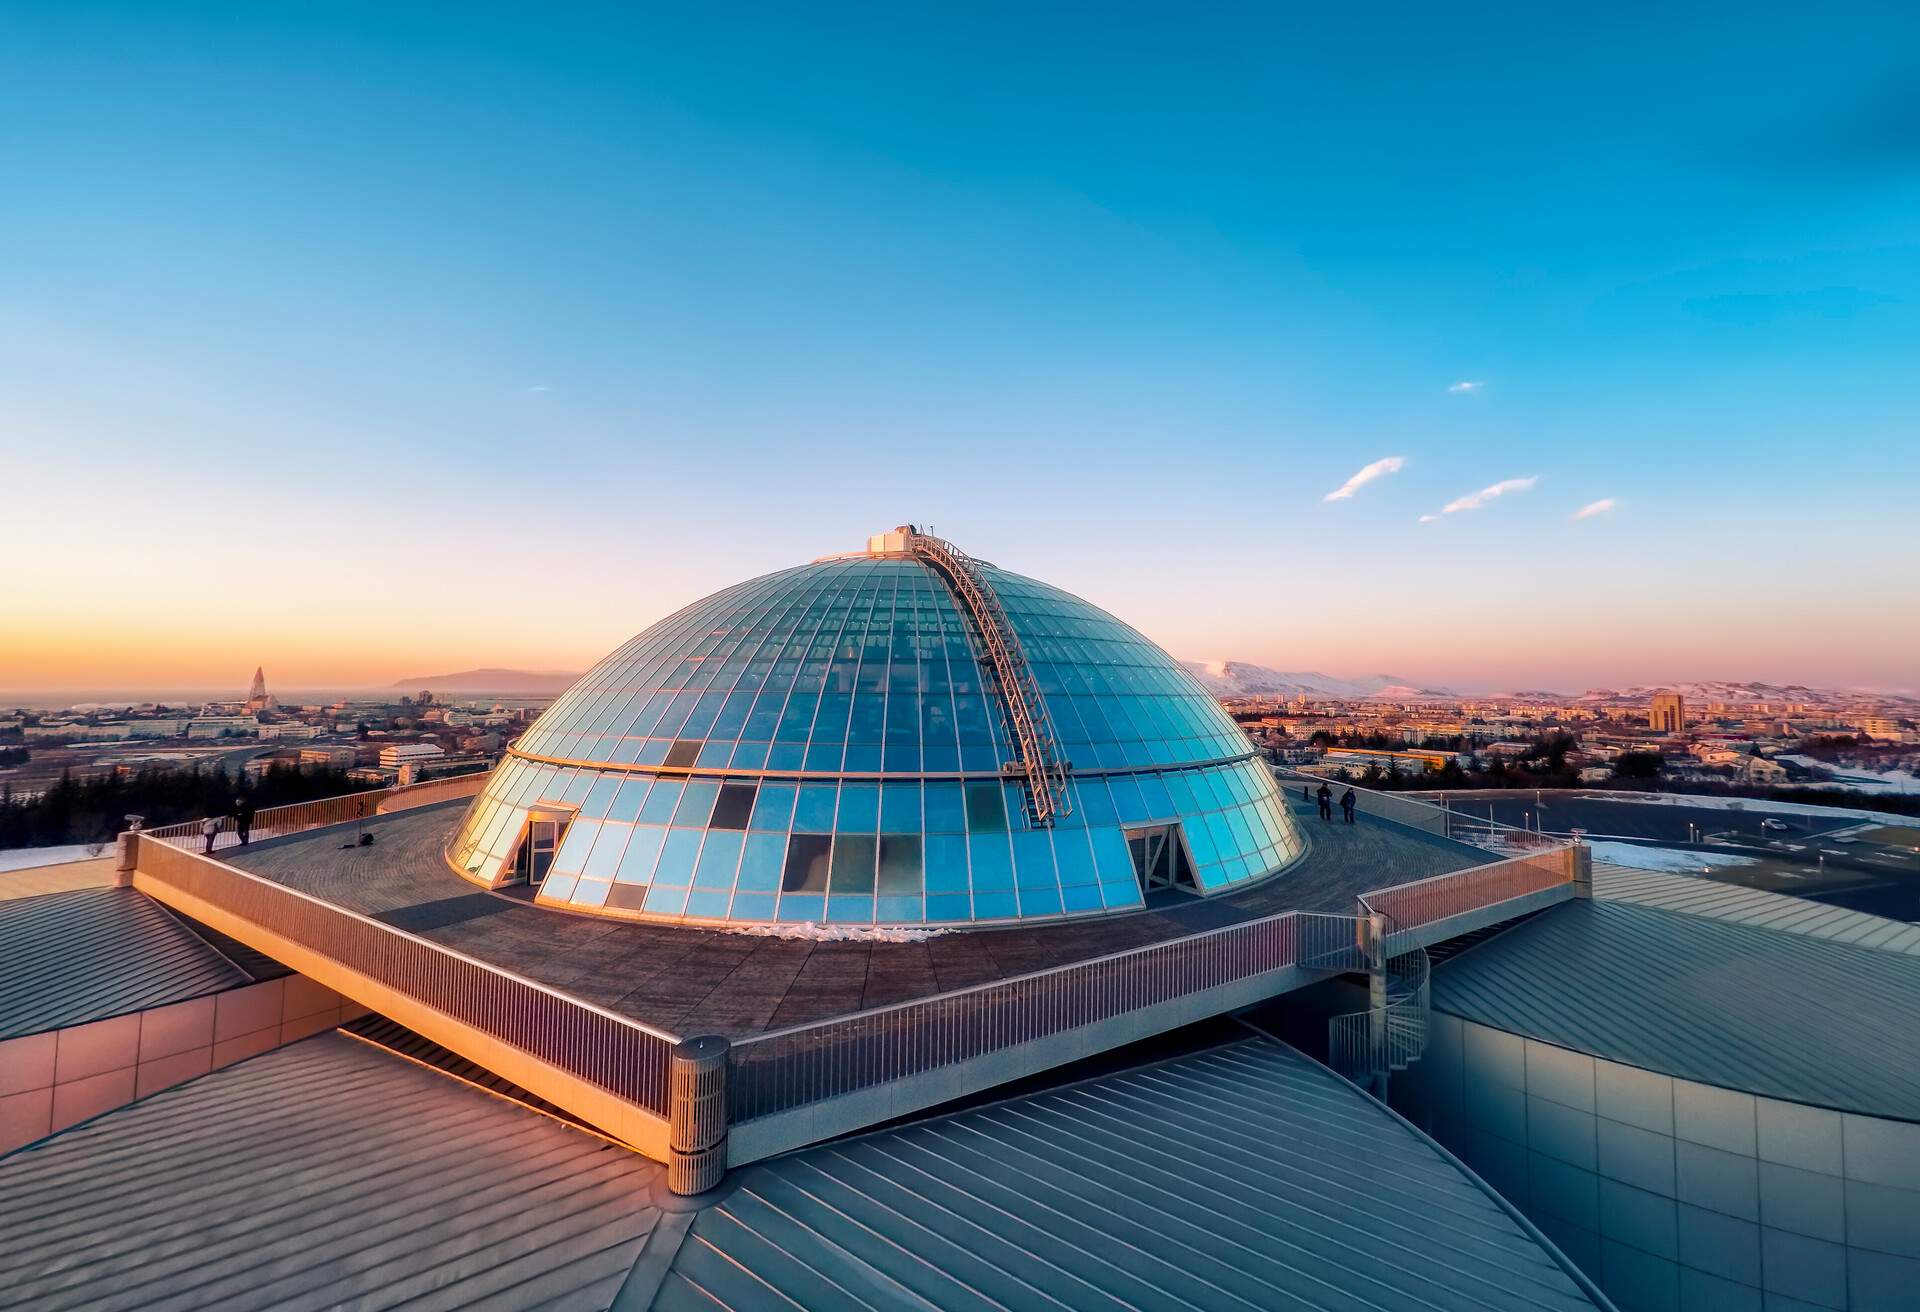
(791, 1068)
(1418, 813)
(621, 1056)
(297, 817)
(1441, 897)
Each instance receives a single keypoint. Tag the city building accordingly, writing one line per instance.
(289, 729)
(400, 754)
(258, 698)
(334, 758)
(1667, 713)
(223, 726)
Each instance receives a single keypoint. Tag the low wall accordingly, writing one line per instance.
(1674, 1194)
(58, 1078)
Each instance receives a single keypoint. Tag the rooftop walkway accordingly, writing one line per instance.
(693, 981)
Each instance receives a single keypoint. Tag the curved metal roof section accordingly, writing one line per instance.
(1767, 1011)
(326, 1174)
(792, 672)
(69, 958)
(1247, 1177)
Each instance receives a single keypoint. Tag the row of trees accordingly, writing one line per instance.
(94, 810)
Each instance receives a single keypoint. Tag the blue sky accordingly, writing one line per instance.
(488, 335)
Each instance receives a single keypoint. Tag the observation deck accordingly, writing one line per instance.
(820, 1037)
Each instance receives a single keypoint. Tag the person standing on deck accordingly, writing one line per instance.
(1326, 802)
(1347, 803)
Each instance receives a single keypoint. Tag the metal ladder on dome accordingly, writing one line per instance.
(1040, 766)
(1368, 1046)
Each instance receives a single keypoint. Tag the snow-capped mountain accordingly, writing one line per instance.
(1714, 690)
(1241, 679)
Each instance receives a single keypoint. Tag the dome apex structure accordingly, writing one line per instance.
(900, 736)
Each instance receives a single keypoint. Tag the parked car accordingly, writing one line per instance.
(1772, 822)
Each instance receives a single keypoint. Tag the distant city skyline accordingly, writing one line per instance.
(1493, 350)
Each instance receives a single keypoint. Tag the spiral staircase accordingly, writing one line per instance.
(1369, 1046)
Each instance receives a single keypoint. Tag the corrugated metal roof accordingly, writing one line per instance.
(326, 1174)
(1784, 1014)
(1244, 1177)
(1701, 896)
(67, 958)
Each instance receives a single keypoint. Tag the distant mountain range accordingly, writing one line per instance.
(525, 683)
(1241, 679)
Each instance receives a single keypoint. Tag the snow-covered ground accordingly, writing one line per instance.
(840, 933)
(1757, 805)
(1636, 857)
(1860, 781)
(26, 858)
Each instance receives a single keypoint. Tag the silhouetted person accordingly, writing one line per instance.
(210, 830)
(1305, 796)
(1326, 802)
(243, 818)
(1347, 802)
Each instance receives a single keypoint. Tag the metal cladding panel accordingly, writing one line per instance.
(823, 745)
(69, 958)
(1766, 1011)
(326, 1174)
(1244, 1177)
(1702, 896)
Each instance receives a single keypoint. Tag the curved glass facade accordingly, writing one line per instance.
(820, 745)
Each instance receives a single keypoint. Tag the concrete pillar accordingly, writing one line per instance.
(1377, 1005)
(1582, 858)
(126, 856)
(697, 1114)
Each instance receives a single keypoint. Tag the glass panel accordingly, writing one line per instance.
(733, 807)
(813, 813)
(853, 863)
(986, 808)
(773, 809)
(900, 863)
(806, 868)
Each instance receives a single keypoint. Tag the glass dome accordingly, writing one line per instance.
(825, 744)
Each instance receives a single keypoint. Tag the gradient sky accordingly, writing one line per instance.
(365, 341)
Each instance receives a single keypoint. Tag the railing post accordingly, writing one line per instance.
(128, 856)
(1580, 857)
(697, 1114)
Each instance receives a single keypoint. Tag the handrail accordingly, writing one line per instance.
(804, 1064)
(1416, 811)
(623, 1056)
(317, 813)
(1041, 762)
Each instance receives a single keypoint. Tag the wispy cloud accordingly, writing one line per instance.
(1428, 519)
(1592, 508)
(1486, 496)
(1466, 387)
(1378, 469)
(536, 389)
